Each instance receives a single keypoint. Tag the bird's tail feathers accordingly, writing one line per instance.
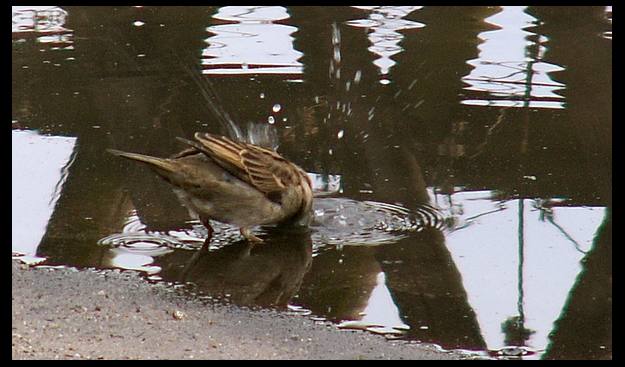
(154, 162)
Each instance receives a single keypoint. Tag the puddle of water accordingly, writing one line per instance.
(393, 111)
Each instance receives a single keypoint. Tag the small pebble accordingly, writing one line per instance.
(178, 315)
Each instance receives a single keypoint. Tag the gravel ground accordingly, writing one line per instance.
(72, 314)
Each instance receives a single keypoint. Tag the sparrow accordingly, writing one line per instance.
(233, 182)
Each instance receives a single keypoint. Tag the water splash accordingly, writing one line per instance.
(341, 221)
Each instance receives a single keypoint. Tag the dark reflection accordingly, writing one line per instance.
(339, 283)
(361, 119)
(587, 124)
(427, 288)
(139, 109)
(588, 310)
(268, 274)
(356, 120)
(516, 332)
(421, 277)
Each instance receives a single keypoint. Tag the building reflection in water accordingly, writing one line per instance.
(384, 24)
(45, 23)
(608, 17)
(251, 43)
(510, 69)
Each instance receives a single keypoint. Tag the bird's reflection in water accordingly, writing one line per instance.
(265, 275)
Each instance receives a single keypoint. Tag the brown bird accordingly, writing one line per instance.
(237, 183)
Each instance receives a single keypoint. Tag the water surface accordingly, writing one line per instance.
(498, 117)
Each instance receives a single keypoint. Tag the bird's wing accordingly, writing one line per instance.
(262, 168)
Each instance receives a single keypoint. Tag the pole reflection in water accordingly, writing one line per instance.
(506, 73)
(528, 279)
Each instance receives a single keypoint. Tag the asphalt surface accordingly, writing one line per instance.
(86, 314)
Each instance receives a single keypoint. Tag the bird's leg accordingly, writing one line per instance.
(191, 264)
(245, 232)
(207, 241)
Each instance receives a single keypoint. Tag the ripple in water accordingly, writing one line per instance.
(340, 221)
(336, 222)
(141, 243)
(135, 239)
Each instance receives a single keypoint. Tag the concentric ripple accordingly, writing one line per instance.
(336, 222)
(340, 221)
(141, 243)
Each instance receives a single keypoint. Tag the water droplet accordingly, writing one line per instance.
(276, 107)
(371, 113)
(271, 120)
(337, 55)
(138, 23)
(357, 76)
(385, 81)
(340, 134)
(262, 96)
(336, 34)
